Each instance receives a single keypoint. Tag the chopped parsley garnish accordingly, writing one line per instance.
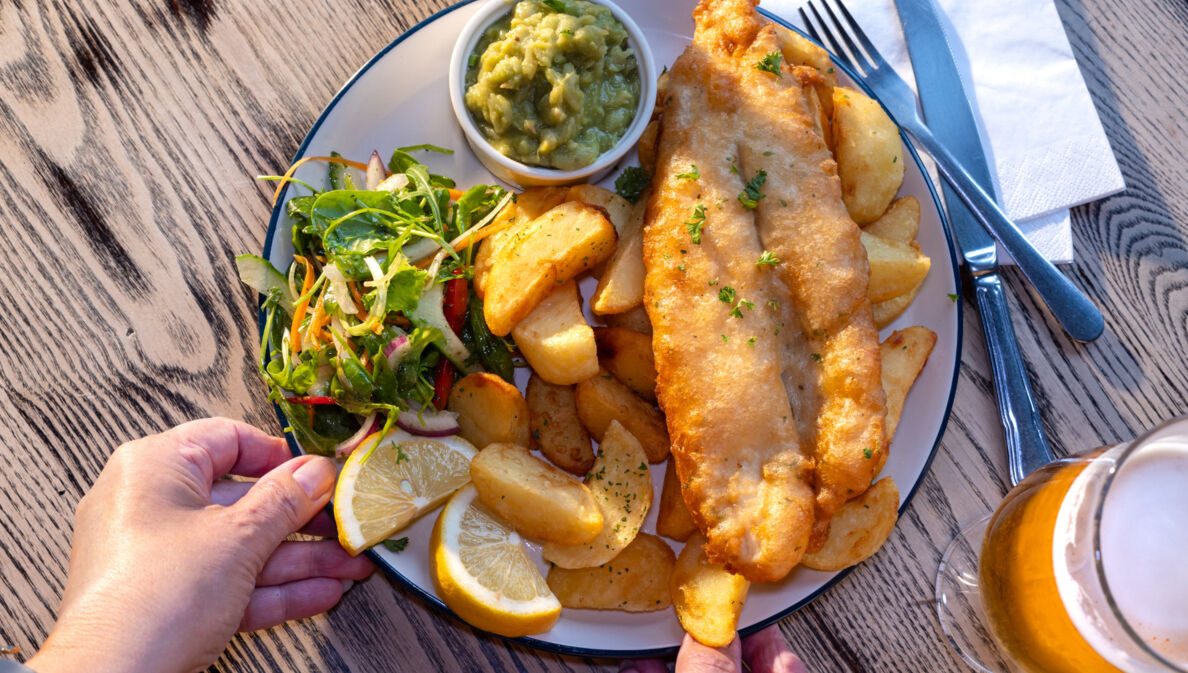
(751, 341)
(695, 222)
(774, 303)
(566, 31)
(815, 356)
(556, 6)
(472, 61)
(692, 173)
(725, 339)
(952, 297)
(768, 259)
(713, 282)
(396, 545)
(632, 182)
(726, 294)
(770, 63)
(750, 195)
(868, 453)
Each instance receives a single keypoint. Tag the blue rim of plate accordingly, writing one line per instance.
(434, 601)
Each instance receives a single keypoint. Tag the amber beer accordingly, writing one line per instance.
(1083, 568)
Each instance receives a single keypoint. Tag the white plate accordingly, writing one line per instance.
(400, 98)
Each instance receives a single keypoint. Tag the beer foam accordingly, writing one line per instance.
(1144, 539)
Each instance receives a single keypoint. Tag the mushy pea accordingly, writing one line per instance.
(553, 83)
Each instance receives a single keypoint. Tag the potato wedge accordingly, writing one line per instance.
(602, 400)
(627, 355)
(621, 283)
(551, 249)
(556, 429)
(536, 201)
(528, 205)
(490, 410)
(537, 499)
(622, 487)
(556, 340)
(633, 318)
(886, 311)
(707, 597)
(798, 50)
(895, 268)
(900, 223)
(904, 354)
(636, 580)
(858, 528)
(645, 149)
(869, 154)
(672, 518)
(618, 209)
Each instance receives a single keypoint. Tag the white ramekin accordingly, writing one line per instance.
(521, 174)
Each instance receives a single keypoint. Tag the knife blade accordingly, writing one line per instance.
(949, 113)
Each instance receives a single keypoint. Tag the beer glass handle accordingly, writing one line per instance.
(1027, 447)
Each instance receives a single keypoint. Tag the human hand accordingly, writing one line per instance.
(168, 560)
(764, 652)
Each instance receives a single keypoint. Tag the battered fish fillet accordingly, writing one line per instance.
(769, 374)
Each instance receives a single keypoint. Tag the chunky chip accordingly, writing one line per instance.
(602, 400)
(556, 429)
(858, 528)
(636, 580)
(672, 518)
(622, 488)
(904, 354)
(537, 499)
(489, 410)
(707, 597)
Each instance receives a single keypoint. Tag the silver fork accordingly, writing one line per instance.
(1080, 318)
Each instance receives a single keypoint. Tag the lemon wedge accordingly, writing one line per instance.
(385, 485)
(483, 574)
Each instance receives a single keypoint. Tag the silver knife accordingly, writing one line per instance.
(949, 115)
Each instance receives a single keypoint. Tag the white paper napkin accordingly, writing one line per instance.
(1039, 127)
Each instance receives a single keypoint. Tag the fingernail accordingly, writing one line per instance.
(315, 476)
(346, 585)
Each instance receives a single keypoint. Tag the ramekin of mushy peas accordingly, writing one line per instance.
(553, 83)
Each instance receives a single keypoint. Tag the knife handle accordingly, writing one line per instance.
(1027, 447)
(1080, 318)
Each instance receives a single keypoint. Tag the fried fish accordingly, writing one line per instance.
(767, 357)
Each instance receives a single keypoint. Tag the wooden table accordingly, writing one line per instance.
(129, 134)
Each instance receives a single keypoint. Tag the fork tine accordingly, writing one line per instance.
(808, 25)
(861, 35)
(833, 45)
(859, 58)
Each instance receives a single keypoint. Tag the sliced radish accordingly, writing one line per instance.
(428, 423)
(375, 171)
(370, 424)
(393, 183)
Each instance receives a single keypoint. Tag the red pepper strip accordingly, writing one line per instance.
(314, 399)
(454, 305)
(454, 308)
(443, 380)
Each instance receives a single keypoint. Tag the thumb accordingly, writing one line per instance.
(694, 657)
(283, 501)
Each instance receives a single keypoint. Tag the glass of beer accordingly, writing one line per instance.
(1082, 568)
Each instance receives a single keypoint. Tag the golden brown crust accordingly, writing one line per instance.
(751, 401)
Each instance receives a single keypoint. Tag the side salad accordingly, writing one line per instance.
(374, 316)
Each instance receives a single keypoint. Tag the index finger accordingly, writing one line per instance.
(215, 447)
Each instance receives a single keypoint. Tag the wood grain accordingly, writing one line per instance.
(129, 134)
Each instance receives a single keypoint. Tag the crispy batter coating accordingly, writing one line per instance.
(763, 370)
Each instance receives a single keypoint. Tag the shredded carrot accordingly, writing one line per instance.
(463, 242)
(299, 310)
(359, 312)
(320, 319)
(293, 169)
(455, 194)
